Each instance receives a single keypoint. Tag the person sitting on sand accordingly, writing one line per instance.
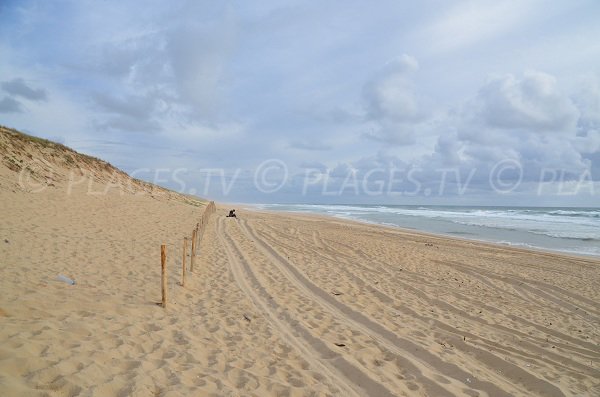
(231, 214)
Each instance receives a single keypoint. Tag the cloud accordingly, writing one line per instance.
(391, 133)
(133, 59)
(341, 170)
(528, 120)
(447, 150)
(533, 102)
(587, 100)
(197, 57)
(380, 160)
(18, 87)
(391, 94)
(588, 142)
(404, 64)
(135, 106)
(128, 113)
(314, 165)
(391, 103)
(10, 105)
(310, 145)
(165, 64)
(471, 22)
(127, 124)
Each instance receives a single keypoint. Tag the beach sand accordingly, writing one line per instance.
(278, 304)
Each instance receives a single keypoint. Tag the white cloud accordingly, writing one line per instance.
(197, 57)
(390, 133)
(391, 94)
(526, 119)
(533, 102)
(471, 22)
(587, 100)
(589, 143)
(392, 105)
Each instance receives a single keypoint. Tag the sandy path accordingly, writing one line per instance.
(400, 347)
(319, 356)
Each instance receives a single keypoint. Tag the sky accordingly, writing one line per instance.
(387, 102)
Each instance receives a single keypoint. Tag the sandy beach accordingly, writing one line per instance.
(278, 304)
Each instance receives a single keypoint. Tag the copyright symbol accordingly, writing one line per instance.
(502, 176)
(28, 183)
(278, 176)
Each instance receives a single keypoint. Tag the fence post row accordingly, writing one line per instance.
(197, 234)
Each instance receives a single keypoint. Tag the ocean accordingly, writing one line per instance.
(569, 230)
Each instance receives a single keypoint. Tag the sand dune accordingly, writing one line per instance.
(279, 304)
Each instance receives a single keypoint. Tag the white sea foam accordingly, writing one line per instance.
(566, 229)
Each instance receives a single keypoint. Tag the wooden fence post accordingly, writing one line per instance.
(163, 265)
(197, 235)
(183, 262)
(193, 258)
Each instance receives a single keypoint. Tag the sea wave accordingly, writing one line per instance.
(581, 226)
(498, 218)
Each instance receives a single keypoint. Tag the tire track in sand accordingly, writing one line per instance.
(337, 369)
(398, 345)
(528, 341)
(558, 360)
